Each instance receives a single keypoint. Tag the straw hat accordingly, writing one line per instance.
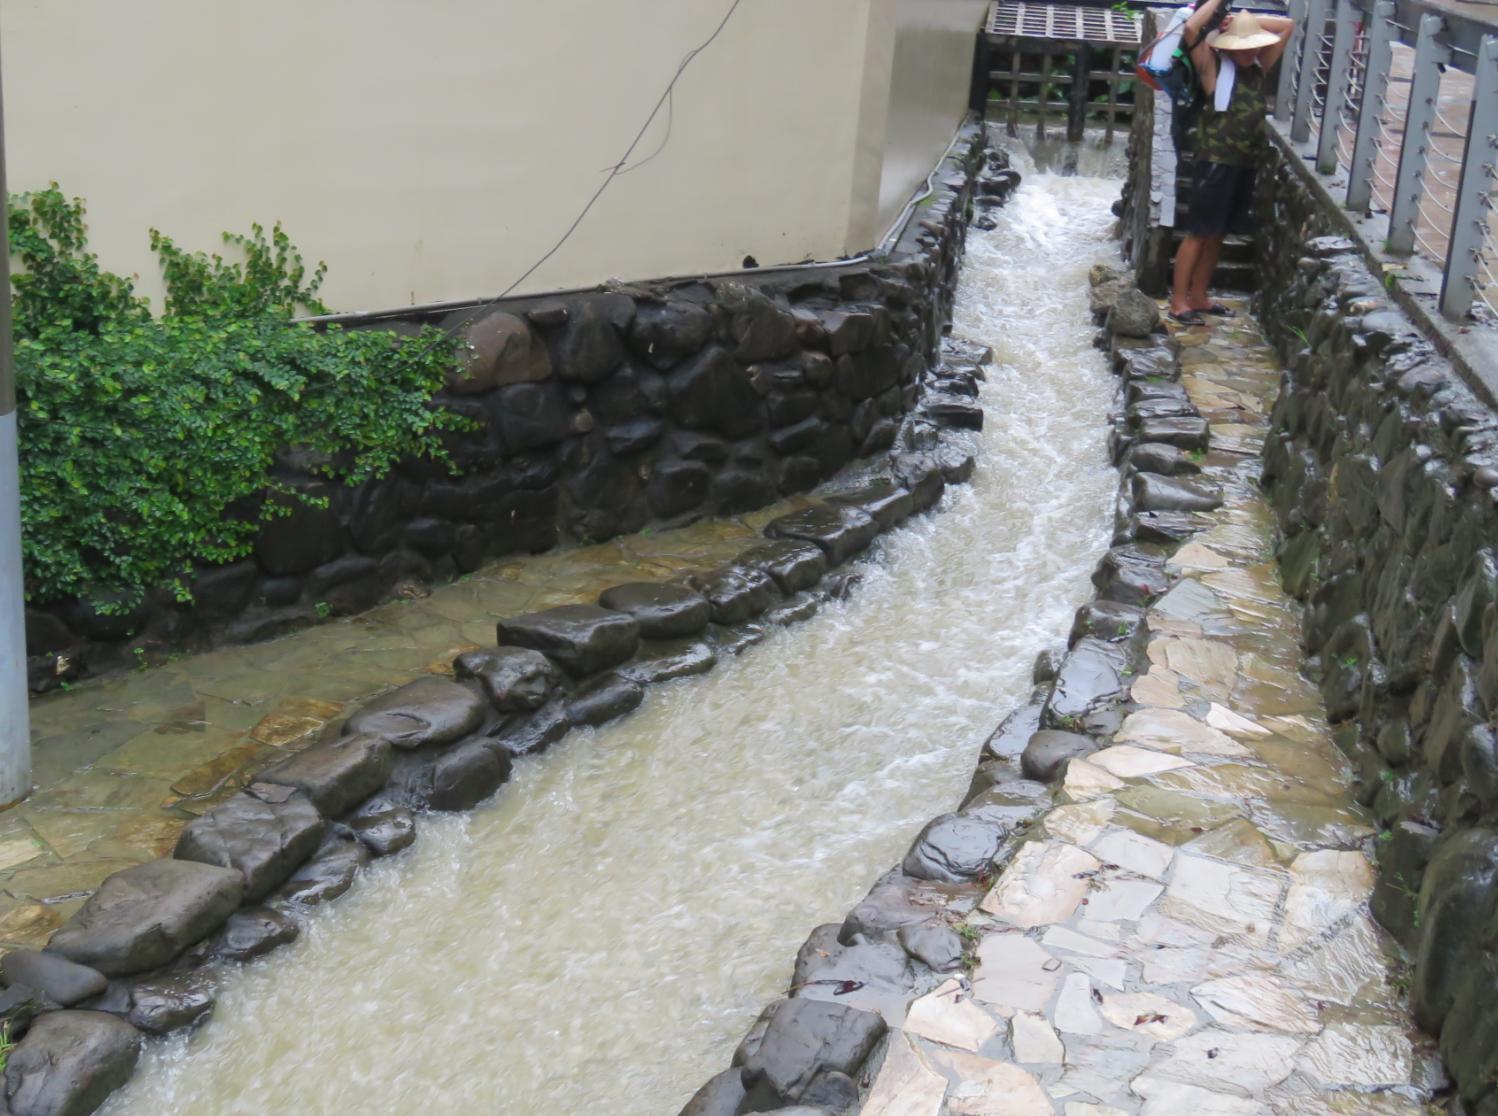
(1243, 33)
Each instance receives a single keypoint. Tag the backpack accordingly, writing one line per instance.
(1166, 67)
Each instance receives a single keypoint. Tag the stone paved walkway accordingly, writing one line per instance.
(1187, 930)
(122, 763)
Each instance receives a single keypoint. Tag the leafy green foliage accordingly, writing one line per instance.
(147, 443)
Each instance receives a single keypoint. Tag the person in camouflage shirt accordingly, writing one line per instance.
(1230, 143)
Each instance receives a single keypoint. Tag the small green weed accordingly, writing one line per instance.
(324, 610)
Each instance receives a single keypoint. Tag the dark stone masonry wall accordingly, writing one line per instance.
(596, 414)
(1383, 470)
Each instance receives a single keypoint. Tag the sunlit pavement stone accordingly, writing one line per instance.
(122, 763)
(1187, 931)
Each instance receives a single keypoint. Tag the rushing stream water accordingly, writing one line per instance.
(597, 938)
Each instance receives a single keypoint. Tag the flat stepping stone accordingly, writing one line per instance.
(582, 639)
(840, 532)
(338, 775)
(735, 593)
(1153, 493)
(265, 839)
(886, 501)
(420, 714)
(1189, 432)
(661, 611)
(795, 566)
(143, 917)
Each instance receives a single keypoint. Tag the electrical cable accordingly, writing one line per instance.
(618, 168)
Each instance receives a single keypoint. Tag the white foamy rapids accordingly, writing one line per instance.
(598, 937)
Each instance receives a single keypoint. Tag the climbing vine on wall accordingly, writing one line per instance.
(147, 441)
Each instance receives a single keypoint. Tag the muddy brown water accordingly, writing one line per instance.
(599, 936)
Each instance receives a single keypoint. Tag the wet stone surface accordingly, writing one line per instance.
(1187, 928)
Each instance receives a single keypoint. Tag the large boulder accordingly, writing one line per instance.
(515, 679)
(661, 611)
(805, 1040)
(264, 834)
(424, 713)
(581, 639)
(337, 775)
(69, 1062)
(954, 848)
(143, 917)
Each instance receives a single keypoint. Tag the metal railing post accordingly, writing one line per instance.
(1310, 54)
(1469, 225)
(15, 713)
(1425, 87)
(1375, 88)
(1283, 96)
(1337, 78)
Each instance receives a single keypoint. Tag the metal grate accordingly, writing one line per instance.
(1058, 21)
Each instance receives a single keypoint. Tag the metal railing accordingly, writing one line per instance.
(1400, 99)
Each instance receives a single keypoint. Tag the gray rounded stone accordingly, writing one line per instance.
(1050, 750)
(69, 1062)
(60, 980)
(954, 848)
(143, 917)
(262, 838)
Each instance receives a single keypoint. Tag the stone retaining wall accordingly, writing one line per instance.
(142, 954)
(817, 1051)
(596, 414)
(1383, 468)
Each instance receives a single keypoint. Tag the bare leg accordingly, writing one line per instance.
(1188, 256)
(1201, 276)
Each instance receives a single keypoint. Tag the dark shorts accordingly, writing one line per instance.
(1221, 200)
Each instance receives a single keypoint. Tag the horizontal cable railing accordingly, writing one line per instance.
(1400, 98)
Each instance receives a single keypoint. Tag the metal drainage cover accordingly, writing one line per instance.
(1062, 21)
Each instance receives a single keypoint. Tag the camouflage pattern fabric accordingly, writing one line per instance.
(1235, 138)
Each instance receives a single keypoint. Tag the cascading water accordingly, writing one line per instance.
(598, 937)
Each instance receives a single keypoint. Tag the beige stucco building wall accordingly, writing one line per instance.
(434, 151)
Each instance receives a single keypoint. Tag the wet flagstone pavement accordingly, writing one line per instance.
(1187, 930)
(121, 764)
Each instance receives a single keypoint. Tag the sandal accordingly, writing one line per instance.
(1218, 310)
(1189, 318)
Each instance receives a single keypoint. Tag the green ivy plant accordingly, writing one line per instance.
(147, 442)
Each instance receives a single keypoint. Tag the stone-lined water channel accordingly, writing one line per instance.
(597, 937)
